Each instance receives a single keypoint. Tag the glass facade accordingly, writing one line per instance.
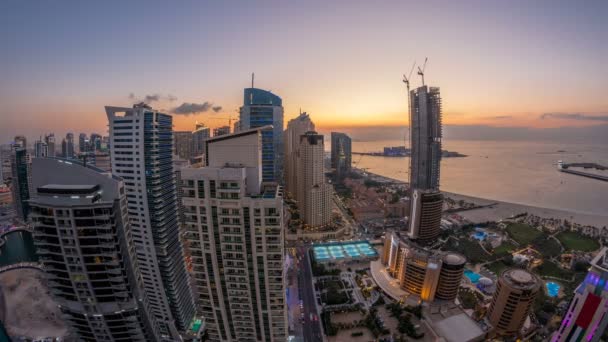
(162, 204)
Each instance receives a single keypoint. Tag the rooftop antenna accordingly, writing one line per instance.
(406, 80)
(421, 71)
(252, 79)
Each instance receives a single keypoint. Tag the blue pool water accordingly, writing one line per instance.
(341, 250)
(473, 277)
(480, 235)
(552, 289)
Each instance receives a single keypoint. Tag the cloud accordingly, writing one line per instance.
(217, 108)
(153, 98)
(193, 108)
(575, 116)
(500, 117)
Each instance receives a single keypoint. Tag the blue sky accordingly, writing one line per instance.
(62, 61)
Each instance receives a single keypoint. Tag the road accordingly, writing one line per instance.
(354, 226)
(312, 331)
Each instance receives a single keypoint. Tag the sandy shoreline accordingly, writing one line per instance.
(504, 210)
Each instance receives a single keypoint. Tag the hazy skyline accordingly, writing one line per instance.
(498, 63)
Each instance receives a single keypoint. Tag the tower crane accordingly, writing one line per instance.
(421, 71)
(406, 80)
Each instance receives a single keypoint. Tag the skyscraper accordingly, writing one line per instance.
(313, 192)
(200, 134)
(262, 108)
(295, 129)
(83, 143)
(426, 132)
(21, 181)
(67, 146)
(341, 153)
(234, 224)
(95, 142)
(222, 130)
(425, 215)
(184, 143)
(425, 140)
(41, 149)
(587, 316)
(515, 292)
(83, 239)
(50, 142)
(20, 141)
(141, 154)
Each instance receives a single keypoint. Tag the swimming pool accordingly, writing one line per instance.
(342, 250)
(473, 277)
(552, 289)
(480, 235)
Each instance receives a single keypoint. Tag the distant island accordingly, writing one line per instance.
(402, 151)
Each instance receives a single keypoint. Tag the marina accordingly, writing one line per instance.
(564, 167)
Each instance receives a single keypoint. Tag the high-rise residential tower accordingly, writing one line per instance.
(141, 154)
(426, 136)
(222, 130)
(95, 142)
(262, 108)
(50, 142)
(83, 143)
(295, 129)
(235, 233)
(515, 293)
(67, 146)
(200, 134)
(426, 207)
(83, 239)
(183, 142)
(313, 192)
(21, 181)
(20, 141)
(341, 153)
(41, 149)
(425, 140)
(587, 316)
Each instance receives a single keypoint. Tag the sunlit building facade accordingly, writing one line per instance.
(295, 129)
(429, 275)
(235, 234)
(262, 108)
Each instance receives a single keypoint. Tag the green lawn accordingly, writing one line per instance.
(523, 233)
(497, 267)
(548, 247)
(549, 268)
(576, 241)
(471, 250)
(504, 248)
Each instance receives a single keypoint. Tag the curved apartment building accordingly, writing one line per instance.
(427, 274)
(452, 269)
(83, 239)
(425, 215)
(515, 293)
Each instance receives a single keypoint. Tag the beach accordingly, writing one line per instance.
(502, 210)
